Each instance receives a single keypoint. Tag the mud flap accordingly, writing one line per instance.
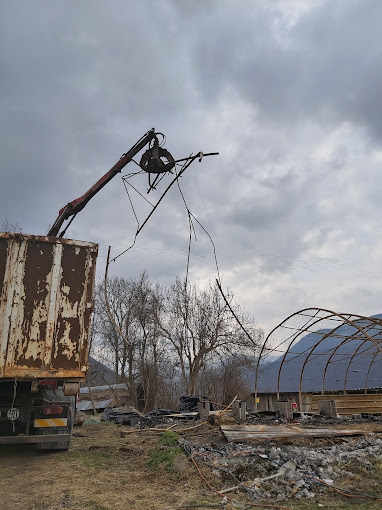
(52, 445)
(62, 445)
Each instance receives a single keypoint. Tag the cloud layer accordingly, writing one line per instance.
(288, 93)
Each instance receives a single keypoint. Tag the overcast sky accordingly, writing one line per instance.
(289, 93)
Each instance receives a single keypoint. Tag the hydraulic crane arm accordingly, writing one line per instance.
(78, 204)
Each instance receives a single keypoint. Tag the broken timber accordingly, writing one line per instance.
(239, 433)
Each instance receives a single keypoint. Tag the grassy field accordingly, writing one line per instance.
(105, 470)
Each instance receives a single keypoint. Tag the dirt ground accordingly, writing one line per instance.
(109, 469)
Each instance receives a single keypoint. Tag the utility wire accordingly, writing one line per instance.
(187, 163)
(191, 225)
(139, 229)
(234, 314)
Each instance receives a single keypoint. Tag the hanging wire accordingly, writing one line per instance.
(234, 314)
(209, 217)
(125, 181)
(131, 202)
(192, 217)
(187, 163)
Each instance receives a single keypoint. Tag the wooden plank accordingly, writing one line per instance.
(331, 396)
(239, 433)
(351, 403)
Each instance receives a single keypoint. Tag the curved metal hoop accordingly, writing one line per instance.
(361, 332)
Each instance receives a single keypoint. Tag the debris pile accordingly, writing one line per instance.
(123, 415)
(155, 418)
(190, 404)
(188, 410)
(266, 456)
(288, 471)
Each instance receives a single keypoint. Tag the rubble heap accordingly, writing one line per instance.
(270, 471)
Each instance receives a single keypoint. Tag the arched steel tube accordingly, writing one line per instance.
(355, 354)
(330, 358)
(314, 317)
(265, 342)
(347, 321)
(297, 335)
(372, 325)
(307, 359)
(368, 370)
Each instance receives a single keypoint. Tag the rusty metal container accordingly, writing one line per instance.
(46, 289)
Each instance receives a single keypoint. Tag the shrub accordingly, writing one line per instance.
(164, 458)
(168, 438)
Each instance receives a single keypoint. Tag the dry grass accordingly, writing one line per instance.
(101, 471)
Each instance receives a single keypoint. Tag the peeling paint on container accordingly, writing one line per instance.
(46, 287)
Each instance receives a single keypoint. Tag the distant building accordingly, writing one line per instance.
(101, 397)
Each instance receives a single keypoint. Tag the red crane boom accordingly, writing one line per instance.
(72, 208)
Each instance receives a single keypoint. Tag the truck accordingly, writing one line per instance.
(46, 288)
(46, 301)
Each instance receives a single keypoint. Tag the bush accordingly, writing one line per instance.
(165, 458)
(168, 438)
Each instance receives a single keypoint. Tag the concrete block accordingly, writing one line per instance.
(251, 402)
(203, 410)
(284, 409)
(327, 408)
(239, 410)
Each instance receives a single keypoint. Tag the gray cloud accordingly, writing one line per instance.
(288, 93)
(327, 65)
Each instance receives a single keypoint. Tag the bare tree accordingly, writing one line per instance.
(131, 338)
(163, 342)
(120, 352)
(226, 378)
(12, 228)
(200, 327)
(151, 346)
